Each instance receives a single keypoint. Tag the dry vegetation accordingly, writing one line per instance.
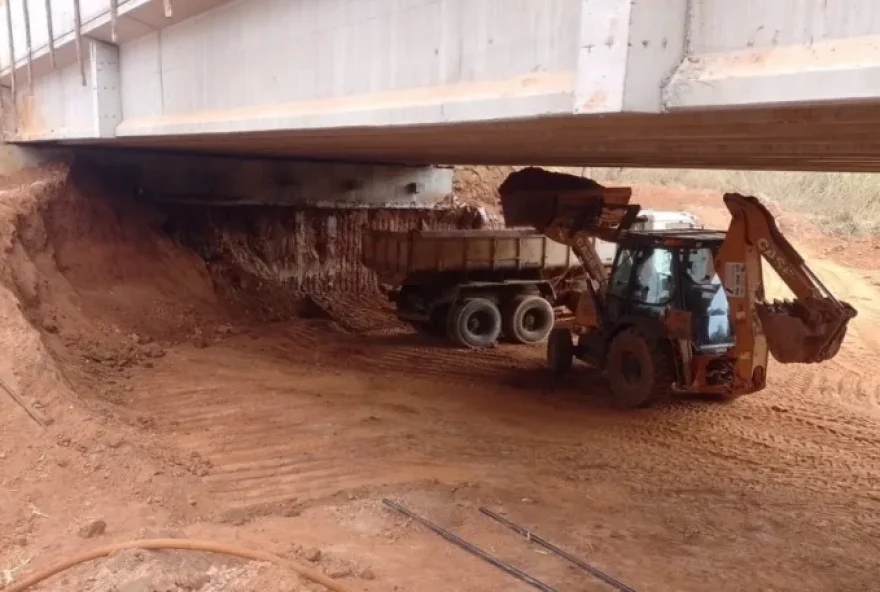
(845, 204)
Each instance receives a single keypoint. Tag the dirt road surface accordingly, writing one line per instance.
(171, 416)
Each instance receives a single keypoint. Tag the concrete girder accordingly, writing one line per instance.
(787, 84)
(223, 181)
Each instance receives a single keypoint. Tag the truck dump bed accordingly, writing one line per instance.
(396, 255)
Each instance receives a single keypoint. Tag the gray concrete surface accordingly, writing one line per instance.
(224, 181)
(783, 84)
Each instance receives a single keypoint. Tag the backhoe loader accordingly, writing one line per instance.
(682, 310)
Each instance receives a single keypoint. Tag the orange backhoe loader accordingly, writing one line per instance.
(681, 310)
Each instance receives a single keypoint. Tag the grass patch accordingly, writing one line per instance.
(844, 204)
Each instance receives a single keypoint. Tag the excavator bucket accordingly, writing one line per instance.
(805, 331)
(809, 329)
(558, 202)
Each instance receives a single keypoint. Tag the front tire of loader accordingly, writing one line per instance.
(640, 369)
(560, 351)
(474, 323)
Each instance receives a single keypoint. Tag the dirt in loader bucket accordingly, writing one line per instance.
(534, 197)
(805, 331)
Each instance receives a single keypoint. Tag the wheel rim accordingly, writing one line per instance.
(535, 319)
(480, 323)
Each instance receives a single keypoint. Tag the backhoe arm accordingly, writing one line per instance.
(809, 329)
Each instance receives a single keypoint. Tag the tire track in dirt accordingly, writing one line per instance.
(808, 430)
(247, 417)
(844, 379)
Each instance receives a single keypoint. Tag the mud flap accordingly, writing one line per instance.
(805, 331)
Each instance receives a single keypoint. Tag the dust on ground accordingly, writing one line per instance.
(172, 414)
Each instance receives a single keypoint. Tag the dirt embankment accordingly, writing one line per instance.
(96, 288)
(111, 282)
(174, 410)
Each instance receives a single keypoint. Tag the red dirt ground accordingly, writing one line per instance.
(171, 417)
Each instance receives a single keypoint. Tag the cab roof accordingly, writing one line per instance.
(673, 237)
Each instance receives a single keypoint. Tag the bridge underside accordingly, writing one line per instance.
(790, 84)
(844, 138)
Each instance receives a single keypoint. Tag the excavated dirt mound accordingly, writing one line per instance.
(111, 283)
(94, 272)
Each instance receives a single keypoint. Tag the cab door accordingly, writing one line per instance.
(643, 283)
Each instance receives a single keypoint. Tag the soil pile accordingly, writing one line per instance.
(95, 274)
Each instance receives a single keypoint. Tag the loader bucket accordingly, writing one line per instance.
(539, 199)
(805, 331)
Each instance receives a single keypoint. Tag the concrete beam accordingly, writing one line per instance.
(837, 70)
(224, 181)
(628, 50)
(350, 63)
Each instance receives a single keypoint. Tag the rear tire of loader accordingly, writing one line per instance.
(640, 369)
(560, 351)
(528, 319)
(474, 323)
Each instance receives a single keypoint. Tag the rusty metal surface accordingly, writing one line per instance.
(845, 138)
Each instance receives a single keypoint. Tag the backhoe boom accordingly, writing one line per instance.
(809, 329)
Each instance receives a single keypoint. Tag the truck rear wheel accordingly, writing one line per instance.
(474, 323)
(528, 319)
(560, 351)
(640, 369)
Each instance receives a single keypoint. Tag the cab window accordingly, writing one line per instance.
(654, 283)
(618, 283)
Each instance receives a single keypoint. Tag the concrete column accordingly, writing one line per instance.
(105, 88)
(61, 107)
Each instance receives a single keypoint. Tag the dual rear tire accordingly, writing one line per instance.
(478, 322)
(474, 323)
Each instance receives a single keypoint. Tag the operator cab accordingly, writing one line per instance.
(655, 271)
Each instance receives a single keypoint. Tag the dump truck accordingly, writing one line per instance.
(472, 286)
(681, 310)
(476, 286)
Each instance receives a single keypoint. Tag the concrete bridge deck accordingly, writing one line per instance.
(789, 84)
